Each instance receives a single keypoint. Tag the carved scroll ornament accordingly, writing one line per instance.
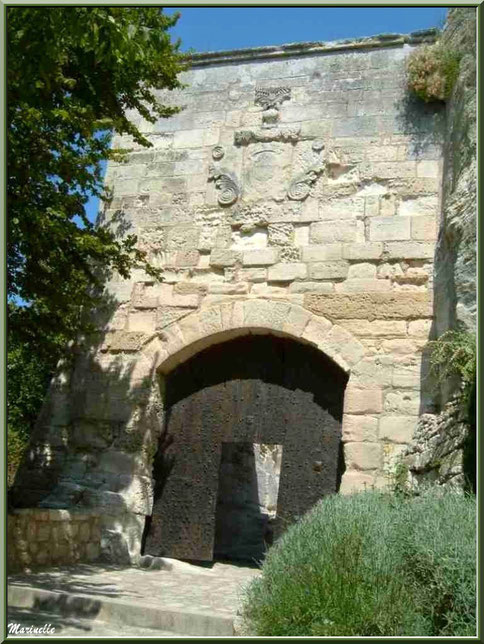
(229, 191)
(218, 152)
(301, 185)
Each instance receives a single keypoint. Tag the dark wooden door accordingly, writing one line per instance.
(256, 389)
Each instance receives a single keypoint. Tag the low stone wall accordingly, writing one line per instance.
(39, 537)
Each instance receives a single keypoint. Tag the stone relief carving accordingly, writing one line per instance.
(267, 171)
(229, 190)
(301, 185)
(271, 97)
(270, 118)
(218, 152)
(289, 134)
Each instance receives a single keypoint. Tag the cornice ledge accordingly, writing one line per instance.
(203, 59)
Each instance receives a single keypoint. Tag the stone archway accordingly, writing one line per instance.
(256, 391)
(227, 320)
(182, 342)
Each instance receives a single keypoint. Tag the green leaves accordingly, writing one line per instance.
(73, 73)
(454, 353)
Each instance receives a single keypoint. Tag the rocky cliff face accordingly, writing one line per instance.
(441, 441)
(456, 252)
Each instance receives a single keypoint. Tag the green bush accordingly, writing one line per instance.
(371, 564)
(432, 71)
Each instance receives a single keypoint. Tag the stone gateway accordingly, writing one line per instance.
(258, 390)
(293, 205)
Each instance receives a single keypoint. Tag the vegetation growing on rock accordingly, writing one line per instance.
(432, 71)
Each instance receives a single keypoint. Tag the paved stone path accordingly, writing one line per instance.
(72, 627)
(215, 590)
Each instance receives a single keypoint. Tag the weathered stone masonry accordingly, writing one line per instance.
(297, 194)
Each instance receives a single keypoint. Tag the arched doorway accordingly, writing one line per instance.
(225, 406)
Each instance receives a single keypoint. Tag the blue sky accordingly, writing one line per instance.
(215, 28)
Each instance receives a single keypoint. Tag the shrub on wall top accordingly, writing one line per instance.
(432, 71)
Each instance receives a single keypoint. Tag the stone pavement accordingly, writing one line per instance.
(72, 627)
(92, 600)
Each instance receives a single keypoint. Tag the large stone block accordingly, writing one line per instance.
(420, 206)
(346, 208)
(328, 252)
(393, 169)
(370, 372)
(190, 329)
(123, 341)
(376, 329)
(271, 315)
(363, 456)
(316, 331)
(362, 271)
(428, 169)
(409, 250)
(356, 481)
(354, 126)
(167, 314)
(221, 257)
(363, 285)
(183, 258)
(228, 288)
(328, 270)
(182, 238)
(400, 346)
(296, 321)
(260, 257)
(189, 288)
(360, 429)
(389, 228)
(142, 321)
(420, 328)
(403, 402)
(329, 232)
(397, 429)
(253, 274)
(363, 401)
(424, 228)
(287, 272)
(370, 250)
(341, 344)
(311, 287)
(370, 306)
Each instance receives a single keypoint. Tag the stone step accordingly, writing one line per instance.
(120, 613)
(26, 622)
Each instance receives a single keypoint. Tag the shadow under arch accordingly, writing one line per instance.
(244, 385)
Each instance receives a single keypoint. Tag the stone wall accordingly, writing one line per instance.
(297, 194)
(51, 537)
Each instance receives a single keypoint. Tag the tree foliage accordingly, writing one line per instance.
(73, 75)
(73, 72)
